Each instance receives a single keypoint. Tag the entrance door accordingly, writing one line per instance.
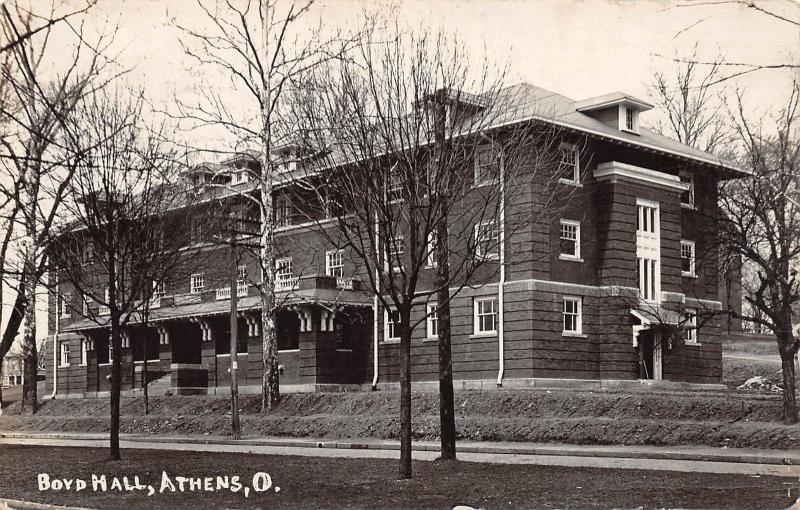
(650, 358)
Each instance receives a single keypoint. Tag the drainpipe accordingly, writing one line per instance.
(501, 286)
(55, 351)
(375, 316)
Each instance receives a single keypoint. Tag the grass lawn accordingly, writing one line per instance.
(371, 483)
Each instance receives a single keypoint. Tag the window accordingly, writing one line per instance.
(570, 239)
(283, 211)
(687, 258)
(687, 196)
(630, 117)
(334, 263)
(569, 165)
(197, 283)
(648, 250)
(283, 273)
(573, 315)
(84, 351)
(391, 330)
(394, 184)
(63, 305)
(430, 260)
(485, 315)
(487, 165)
(88, 252)
(196, 231)
(690, 326)
(241, 275)
(159, 289)
(432, 321)
(394, 252)
(63, 360)
(239, 177)
(487, 240)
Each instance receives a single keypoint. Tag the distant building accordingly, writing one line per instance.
(11, 371)
(642, 220)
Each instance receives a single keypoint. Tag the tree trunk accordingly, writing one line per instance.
(234, 322)
(447, 417)
(405, 395)
(789, 399)
(116, 349)
(31, 358)
(144, 376)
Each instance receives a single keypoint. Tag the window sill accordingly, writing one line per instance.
(149, 361)
(391, 342)
(692, 344)
(570, 258)
(430, 339)
(688, 275)
(573, 334)
(344, 350)
(691, 207)
(569, 182)
(82, 365)
(228, 355)
(63, 366)
(488, 334)
(105, 364)
(288, 350)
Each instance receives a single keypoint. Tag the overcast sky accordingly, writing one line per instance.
(579, 48)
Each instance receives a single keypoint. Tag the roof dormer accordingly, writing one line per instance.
(617, 110)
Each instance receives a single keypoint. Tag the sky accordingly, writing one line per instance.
(579, 48)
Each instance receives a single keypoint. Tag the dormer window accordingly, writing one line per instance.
(629, 119)
(239, 177)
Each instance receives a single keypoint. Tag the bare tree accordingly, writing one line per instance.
(411, 171)
(260, 47)
(35, 120)
(762, 225)
(125, 222)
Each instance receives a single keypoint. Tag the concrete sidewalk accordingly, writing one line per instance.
(689, 458)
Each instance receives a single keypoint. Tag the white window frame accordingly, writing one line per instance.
(688, 178)
(497, 159)
(648, 249)
(691, 326)
(623, 119)
(578, 314)
(495, 229)
(63, 306)
(394, 184)
(239, 177)
(241, 275)
(284, 270)
(334, 263)
(63, 354)
(84, 352)
(570, 223)
(430, 259)
(197, 282)
(571, 149)
(391, 327)
(395, 249)
(432, 321)
(479, 311)
(690, 245)
(159, 290)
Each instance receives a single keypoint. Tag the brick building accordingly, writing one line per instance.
(641, 221)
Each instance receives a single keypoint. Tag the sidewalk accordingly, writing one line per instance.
(688, 458)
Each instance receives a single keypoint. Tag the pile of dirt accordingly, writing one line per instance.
(579, 417)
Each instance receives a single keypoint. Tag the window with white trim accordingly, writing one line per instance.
(283, 211)
(159, 289)
(394, 184)
(487, 165)
(432, 321)
(487, 240)
(430, 260)
(394, 252)
(241, 275)
(391, 329)
(239, 177)
(570, 239)
(573, 315)
(63, 360)
(198, 282)
(283, 272)
(334, 263)
(569, 165)
(84, 351)
(63, 305)
(687, 196)
(687, 258)
(630, 118)
(485, 315)
(690, 326)
(648, 250)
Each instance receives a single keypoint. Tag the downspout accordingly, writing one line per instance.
(501, 286)
(375, 317)
(55, 350)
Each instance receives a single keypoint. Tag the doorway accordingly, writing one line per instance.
(650, 355)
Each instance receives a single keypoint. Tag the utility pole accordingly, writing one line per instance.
(234, 277)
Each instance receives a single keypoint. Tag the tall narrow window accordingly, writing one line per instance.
(432, 321)
(430, 260)
(334, 263)
(573, 315)
(394, 183)
(485, 315)
(630, 119)
(159, 289)
(197, 281)
(64, 305)
(487, 165)
(570, 239)
(283, 211)
(395, 251)
(284, 277)
(241, 275)
(84, 351)
(392, 325)
(690, 326)
(687, 196)
(487, 240)
(648, 250)
(687, 258)
(63, 360)
(569, 165)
